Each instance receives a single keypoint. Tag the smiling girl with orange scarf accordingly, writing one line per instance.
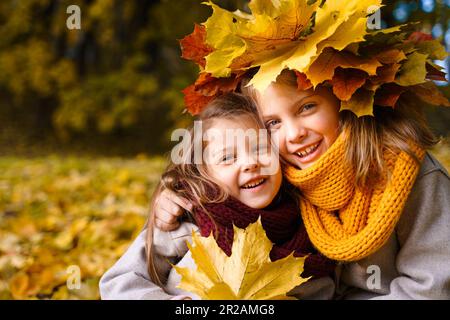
(344, 104)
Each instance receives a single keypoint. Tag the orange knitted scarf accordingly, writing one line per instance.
(344, 222)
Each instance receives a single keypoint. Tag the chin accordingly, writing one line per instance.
(293, 162)
(303, 166)
(257, 204)
(306, 165)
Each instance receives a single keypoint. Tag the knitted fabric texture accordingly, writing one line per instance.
(281, 221)
(344, 222)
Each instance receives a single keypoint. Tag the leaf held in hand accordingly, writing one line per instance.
(248, 274)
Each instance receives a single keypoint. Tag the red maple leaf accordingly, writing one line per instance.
(388, 94)
(194, 47)
(418, 36)
(206, 88)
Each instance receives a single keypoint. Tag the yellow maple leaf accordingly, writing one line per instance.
(361, 103)
(248, 274)
(247, 40)
(413, 71)
(279, 35)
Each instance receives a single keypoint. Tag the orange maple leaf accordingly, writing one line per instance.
(194, 100)
(302, 81)
(324, 66)
(390, 56)
(206, 88)
(345, 82)
(386, 73)
(429, 93)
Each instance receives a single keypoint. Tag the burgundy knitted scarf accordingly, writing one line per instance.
(283, 225)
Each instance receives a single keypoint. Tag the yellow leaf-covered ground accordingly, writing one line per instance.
(60, 212)
(56, 213)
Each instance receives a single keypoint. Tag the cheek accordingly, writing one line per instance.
(279, 138)
(320, 123)
(326, 124)
(229, 178)
(331, 130)
(223, 176)
(332, 135)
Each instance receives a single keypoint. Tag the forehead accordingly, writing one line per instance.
(225, 131)
(244, 122)
(278, 97)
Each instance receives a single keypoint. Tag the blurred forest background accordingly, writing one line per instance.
(85, 120)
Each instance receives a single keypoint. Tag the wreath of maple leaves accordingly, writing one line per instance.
(347, 79)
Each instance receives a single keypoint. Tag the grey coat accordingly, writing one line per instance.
(129, 279)
(413, 264)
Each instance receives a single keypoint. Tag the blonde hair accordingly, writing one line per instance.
(191, 180)
(392, 129)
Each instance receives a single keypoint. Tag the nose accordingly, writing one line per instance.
(295, 132)
(250, 167)
(250, 163)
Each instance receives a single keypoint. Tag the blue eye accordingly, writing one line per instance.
(308, 106)
(227, 158)
(272, 123)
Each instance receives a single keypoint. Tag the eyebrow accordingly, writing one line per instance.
(265, 117)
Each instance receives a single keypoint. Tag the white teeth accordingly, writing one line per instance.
(253, 184)
(308, 150)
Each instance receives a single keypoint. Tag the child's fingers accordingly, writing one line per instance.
(173, 197)
(167, 210)
(166, 204)
(172, 208)
(163, 226)
(167, 216)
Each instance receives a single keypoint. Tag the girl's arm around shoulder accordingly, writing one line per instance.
(128, 278)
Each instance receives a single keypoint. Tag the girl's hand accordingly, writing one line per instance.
(169, 206)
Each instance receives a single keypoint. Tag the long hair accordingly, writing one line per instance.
(191, 180)
(392, 129)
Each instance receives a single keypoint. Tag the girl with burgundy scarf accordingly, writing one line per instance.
(225, 191)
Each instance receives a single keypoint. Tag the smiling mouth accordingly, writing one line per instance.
(254, 184)
(308, 150)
